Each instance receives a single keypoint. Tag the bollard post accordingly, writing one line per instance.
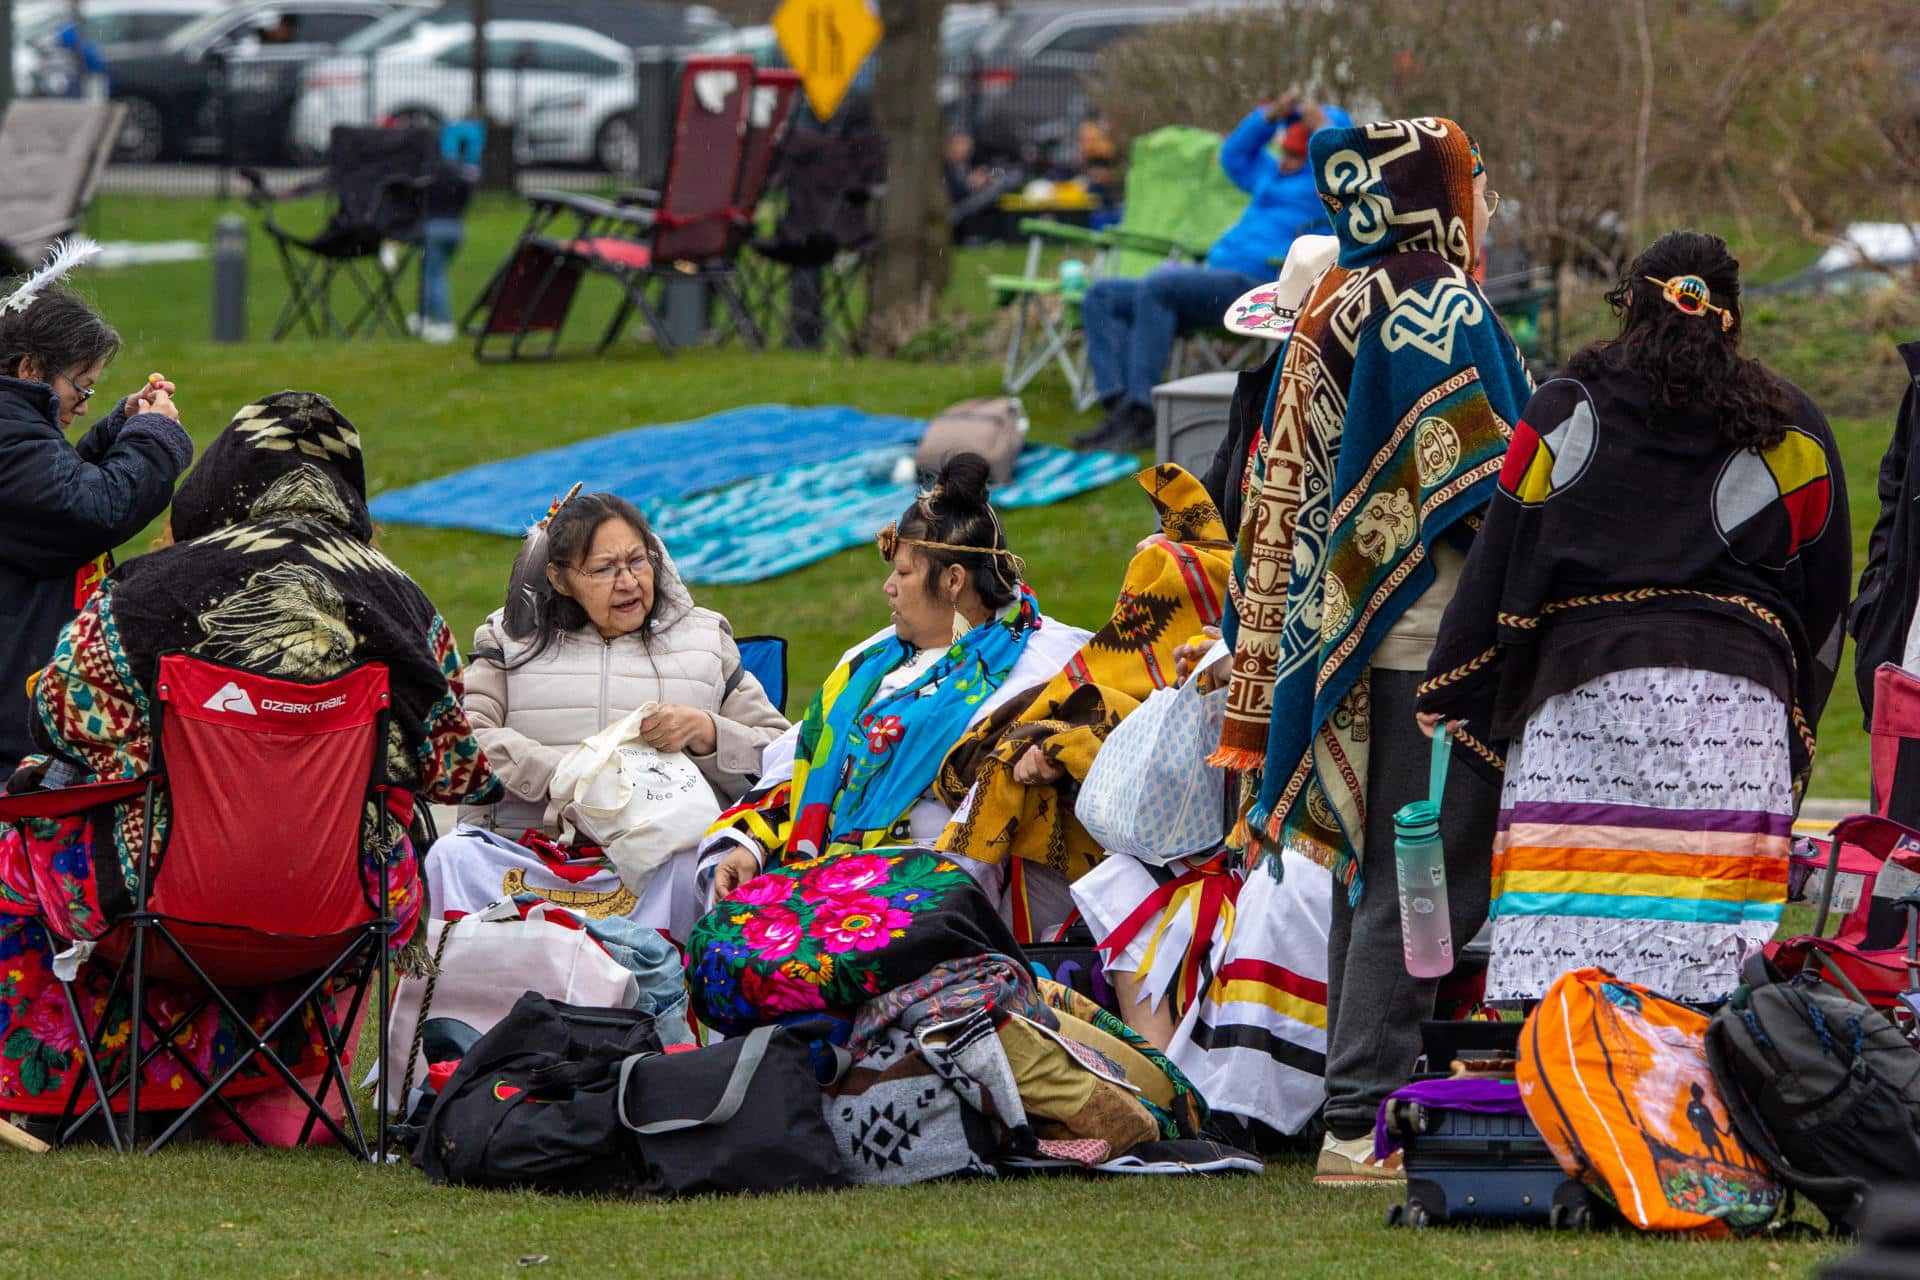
(230, 278)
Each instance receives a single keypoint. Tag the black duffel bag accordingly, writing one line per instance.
(533, 1103)
(741, 1115)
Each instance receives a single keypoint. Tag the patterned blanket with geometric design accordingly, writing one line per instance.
(1175, 585)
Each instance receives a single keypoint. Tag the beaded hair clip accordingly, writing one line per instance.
(1689, 296)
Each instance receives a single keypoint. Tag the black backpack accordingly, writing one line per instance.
(1824, 1089)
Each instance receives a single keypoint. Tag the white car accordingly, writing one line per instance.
(428, 78)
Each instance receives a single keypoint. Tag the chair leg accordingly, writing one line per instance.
(736, 307)
(304, 289)
(334, 1040)
(88, 1054)
(262, 1047)
(382, 936)
(136, 1017)
(1010, 375)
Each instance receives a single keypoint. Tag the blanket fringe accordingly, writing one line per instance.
(1238, 759)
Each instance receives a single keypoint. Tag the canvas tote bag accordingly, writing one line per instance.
(640, 805)
(486, 962)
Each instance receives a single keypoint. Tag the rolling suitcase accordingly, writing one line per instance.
(1471, 1154)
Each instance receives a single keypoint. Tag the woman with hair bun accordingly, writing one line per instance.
(1649, 625)
(965, 636)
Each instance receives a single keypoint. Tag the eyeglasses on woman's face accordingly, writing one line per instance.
(1493, 202)
(85, 393)
(637, 568)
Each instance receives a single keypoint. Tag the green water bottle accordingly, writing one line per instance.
(1420, 865)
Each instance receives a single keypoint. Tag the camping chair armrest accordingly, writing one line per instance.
(1048, 229)
(258, 192)
(48, 231)
(1871, 834)
(67, 802)
(637, 195)
(593, 208)
(1121, 238)
(561, 200)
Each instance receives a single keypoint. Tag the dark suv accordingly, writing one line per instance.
(1026, 73)
(175, 90)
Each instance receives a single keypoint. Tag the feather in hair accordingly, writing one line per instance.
(73, 251)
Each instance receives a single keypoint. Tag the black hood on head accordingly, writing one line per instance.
(291, 453)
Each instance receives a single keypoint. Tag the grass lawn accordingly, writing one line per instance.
(424, 411)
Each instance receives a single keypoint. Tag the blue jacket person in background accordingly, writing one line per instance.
(1131, 324)
(64, 507)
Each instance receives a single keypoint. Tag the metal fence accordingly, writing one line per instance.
(190, 126)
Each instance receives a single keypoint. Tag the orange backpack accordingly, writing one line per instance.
(1615, 1078)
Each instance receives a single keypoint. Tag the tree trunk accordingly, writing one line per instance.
(912, 264)
(1643, 131)
(6, 42)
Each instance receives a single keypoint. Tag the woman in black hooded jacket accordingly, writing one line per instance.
(65, 506)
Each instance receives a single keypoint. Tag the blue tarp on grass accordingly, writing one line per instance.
(739, 496)
(775, 524)
(645, 465)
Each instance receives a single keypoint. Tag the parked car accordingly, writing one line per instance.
(175, 89)
(271, 89)
(1027, 80)
(43, 68)
(428, 77)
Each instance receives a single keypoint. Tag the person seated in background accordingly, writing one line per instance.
(65, 507)
(966, 637)
(272, 569)
(1131, 325)
(597, 624)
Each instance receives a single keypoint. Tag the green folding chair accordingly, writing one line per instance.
(1178, 202)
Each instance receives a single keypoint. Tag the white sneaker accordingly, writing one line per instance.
(1351, 1164)
(438, 331)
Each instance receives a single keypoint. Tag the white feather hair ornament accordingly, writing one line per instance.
(67, 254)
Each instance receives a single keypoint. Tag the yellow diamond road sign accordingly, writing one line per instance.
(826, 41)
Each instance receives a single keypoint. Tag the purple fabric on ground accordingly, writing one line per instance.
(1483, 1096)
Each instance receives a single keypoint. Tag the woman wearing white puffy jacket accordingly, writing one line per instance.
(597, 625)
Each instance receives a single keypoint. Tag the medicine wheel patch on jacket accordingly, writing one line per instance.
(1542, 463)
(1768, 505)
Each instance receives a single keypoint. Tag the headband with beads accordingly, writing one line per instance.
(890, 541)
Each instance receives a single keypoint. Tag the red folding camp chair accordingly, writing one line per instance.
(1874, 953)
(1869, 870)
(689, 231)
(265, 877)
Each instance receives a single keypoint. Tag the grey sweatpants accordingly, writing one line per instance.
(1374, 1007)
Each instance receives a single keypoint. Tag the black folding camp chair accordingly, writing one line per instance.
(377, 179)
(816, 263)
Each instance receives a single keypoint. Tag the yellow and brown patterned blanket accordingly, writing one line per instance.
(1175, 585)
